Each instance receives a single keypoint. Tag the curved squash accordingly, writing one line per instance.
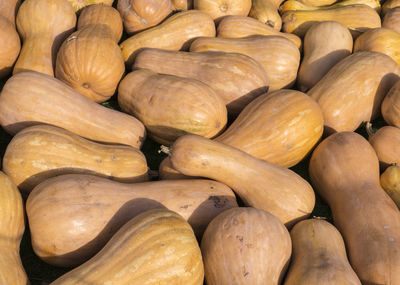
(392, 20)
(176, 33)
(40, 152)
(295, 5)
(245, 246)
(31, 98)
(319, 256)
(42, 36)
(9, 9)
(12, 226)
(325, 44)
(317, 2)
(259, 184)
(237, 78)
(388, 5)
(390, 182)
(390, 106)
(10, 45)
(365, 78)
(167, 172)
(266, 12)
(345, 171)
(78, 5)
(156, 247)
(170, 106)
(217, 9)
(280, 127)
(182, 4)
(279, 56)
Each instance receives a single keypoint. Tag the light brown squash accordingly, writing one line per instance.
(78, 5)
(31, 98)
(43, 25)
(392, 19)
(241, 26)
(170, 106)
(182, 4)
(245, 246)
(259, 184)
(8, 9)
(237, 78)
(390, 182)
(43, 151)
(344, 169)
(87, 210)
(353, 89)
(357, 18)
(325, 44)
(10, 45)
(280, 127)
(318, 2)
(176, 33)
(167, 172)
(156, 247)
(279, 56)
(390, 106)
(388, 5)
(319, 256)
(12, 226)
(217, 9)
(139, 15)
(266, 12)
(291, 5)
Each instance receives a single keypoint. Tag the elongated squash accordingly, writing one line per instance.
(294, 5)
(317, 2)
(10, 45)
(344, 169)
(31, 98)
(167, 172)
(156, 247)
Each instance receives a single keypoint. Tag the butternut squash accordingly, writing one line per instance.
(317, 3)
(237, 78)
(167, 172)
(182, 4)
(78, 5)
(43, 25)
(388, 5)
(8, 9)
(279, 56)
(325, 44)
(220, 8)
(245, 246)
(10, 45)
(31, 98)
(344, 169)
(390, 106)
(295, 5)
(390, 182)
(176, 33)
(87, 210)
(319, 256)
(259, 184)
(43, 151)
(392, 20)
(156, 247)
(266, 12)
(365, 78)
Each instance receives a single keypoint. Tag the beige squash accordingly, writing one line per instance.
(388, 5)
(266, 12)
(318, 2)
(297, 5)
(217, 9)
(182, 4)
(78, 5)
(8, 9)
(392, 20)
(390, 182)
(390, 106)
(167, 172)
(10, 45)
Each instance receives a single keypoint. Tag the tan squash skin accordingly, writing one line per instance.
(259, 184)
(8, 9)
(10, 45)
(91, 62)
(43, 25)
(142, 14)
(297, 5)
(43, 151)
(12, 226)
(279, 56)
(170, 106)
(317, 2)
(392, 20)
(383, 40)
(78, 5)
(353, 89)
(31, 98)
(167, 172)
(217, 9)
(325, 44)
(357, 18)
(154, 248)
(175, 33)
(388, 5)
(102, 14)
(182, 4)
(237, 78)
(390, 182)
(245, 246)
(241, 26)
(344, 169)
(280, 127)
(390, 106)
(266, 12)
(319, 256)
(101, 206)
(386, 143)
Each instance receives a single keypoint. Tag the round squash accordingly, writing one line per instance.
(390, 106)
(392, 20)
(390, 182)
(10, 45)
(220, 8)
(266, 12)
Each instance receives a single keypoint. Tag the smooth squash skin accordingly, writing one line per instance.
(317, 2)
(12, 226)
(182, 4)
(8, 9)
(245, 246)
(353, 89)
(392, 20)
(319, 256)
(217, 9)
(79, 5)
(344, 170)
(175, 33)
(43, 151)
(10, 45)
(156, 247)
(87, 210)
(390, 182)
(237, 78)
(297, 5)
(386, 143)
(279, 56)
(325, 44)
(170, 106)
(280, 127)
(259, 184)
(43, 25)
(266, 12)
(242, 26)
(167, 172)
(390, 106)
(388, 5)
(32, 98)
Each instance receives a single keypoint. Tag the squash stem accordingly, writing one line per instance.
(368, 128)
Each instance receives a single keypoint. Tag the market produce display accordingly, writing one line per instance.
(199, 142)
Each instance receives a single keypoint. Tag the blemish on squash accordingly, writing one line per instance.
(218, 202)
(224, 7)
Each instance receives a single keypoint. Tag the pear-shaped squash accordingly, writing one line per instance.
(266, 12)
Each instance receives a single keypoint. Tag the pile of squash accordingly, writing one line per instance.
(234, 94)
